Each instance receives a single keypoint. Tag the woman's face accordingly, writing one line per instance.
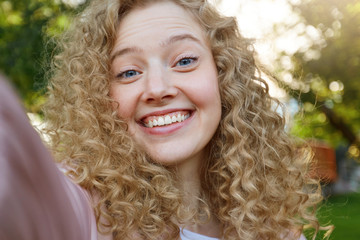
(165, 81)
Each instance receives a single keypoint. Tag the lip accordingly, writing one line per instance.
(166, 129)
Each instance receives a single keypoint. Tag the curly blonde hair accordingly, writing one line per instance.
(254, 181)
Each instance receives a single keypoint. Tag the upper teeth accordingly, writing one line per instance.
(166, 120)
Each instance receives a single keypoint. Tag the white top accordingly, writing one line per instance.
(188, 235)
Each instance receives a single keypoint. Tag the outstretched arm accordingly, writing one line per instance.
(36, 200)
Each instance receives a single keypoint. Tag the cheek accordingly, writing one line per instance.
(124, 98)
(205, 89)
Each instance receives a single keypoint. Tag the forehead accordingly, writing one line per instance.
(161, 19)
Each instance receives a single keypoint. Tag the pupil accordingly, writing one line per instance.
(130, 73)
(185, 61)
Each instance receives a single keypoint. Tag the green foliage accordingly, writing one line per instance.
(26, 27)
(332, 80)
(314, 125)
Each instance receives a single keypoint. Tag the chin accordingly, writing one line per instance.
(167, 161)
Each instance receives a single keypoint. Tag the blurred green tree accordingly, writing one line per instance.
(326, 74)
(26, 29)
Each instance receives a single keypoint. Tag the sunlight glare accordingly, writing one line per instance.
(256, 20)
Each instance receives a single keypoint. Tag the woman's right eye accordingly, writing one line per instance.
(127, 74)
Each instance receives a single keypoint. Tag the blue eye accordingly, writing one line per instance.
(186, 61)
(128, 74)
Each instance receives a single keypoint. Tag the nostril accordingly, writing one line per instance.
(162, 99)
(159, 90)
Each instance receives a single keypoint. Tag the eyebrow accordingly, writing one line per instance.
(180, 37)
(167, 42)
(125, 51)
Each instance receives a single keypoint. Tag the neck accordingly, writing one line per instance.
(190, 182)
(188, 173)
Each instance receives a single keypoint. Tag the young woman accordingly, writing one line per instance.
(158, 112)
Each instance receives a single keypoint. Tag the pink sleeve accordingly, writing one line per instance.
(37, 202)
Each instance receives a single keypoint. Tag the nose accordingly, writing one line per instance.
(158, 87)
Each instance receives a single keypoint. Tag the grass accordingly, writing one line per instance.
(342, 211)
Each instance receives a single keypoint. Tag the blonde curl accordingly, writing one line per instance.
(254, 179)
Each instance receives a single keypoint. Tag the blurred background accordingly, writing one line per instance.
(311, 46)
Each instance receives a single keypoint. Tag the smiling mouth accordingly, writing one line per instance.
(166, 119)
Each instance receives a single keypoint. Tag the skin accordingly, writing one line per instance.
(162, 65)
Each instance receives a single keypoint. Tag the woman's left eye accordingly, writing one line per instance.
(186, 61)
